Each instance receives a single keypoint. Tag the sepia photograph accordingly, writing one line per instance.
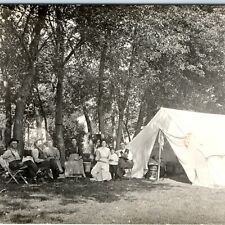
(112, 114)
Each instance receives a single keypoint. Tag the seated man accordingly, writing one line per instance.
(125, 162)
(14, 161)
(11, 155)
(44, 158)
(53, 155)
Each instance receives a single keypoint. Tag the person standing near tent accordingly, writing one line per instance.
(100, 171)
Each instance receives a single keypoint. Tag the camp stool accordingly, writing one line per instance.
(16, 174)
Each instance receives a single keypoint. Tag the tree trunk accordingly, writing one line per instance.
(39, 120)
(113, 115)
(120, 128)
(8, 113)
(151, 110)
(43, 114)
(59, 71)
(122, 106)
(122, 101)
(18, 129)
(23, 93)
(127, 130)
(59, 64)
(101, 90)
(88, 121)
(141, 116)
(127, 115)
(59, 119)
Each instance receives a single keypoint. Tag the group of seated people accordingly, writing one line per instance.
(43, 159)
(111, 164)
(37, 161)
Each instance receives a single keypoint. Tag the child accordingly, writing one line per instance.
(113, 163)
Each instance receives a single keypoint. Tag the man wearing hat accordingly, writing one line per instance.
(11, 155)
(13, 159)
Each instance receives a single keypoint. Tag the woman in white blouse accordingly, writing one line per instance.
(100, 171)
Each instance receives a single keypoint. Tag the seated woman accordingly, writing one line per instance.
(125, 162)
(74, 164)
(100, 171)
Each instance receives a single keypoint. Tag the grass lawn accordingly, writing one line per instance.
(125, 201)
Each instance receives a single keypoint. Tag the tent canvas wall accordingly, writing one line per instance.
(197, 139)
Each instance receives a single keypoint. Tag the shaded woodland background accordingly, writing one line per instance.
(116, 65)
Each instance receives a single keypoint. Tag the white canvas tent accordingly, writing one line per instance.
(197, 139)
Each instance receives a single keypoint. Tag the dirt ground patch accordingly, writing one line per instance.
(124, 201)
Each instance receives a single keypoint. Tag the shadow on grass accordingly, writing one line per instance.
(19, 218)
(71, 191)
(13, 205)
(66, 192)
(181, 178)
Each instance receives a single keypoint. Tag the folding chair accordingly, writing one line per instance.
(16, 174)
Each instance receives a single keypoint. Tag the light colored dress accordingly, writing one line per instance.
(74, 166)
(100, 171)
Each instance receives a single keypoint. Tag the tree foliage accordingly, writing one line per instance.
(118, 64)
